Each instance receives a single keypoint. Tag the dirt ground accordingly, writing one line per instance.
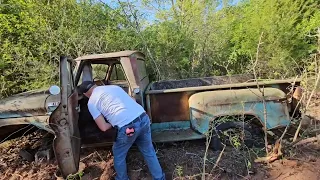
(181, 160)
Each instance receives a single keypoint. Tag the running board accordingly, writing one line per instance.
(171, 135)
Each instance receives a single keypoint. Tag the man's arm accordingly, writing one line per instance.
(102, 124)
(98, 118)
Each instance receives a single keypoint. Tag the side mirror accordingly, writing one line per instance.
(136, 90)
(54, 90)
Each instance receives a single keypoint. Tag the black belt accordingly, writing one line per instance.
(132, 122)
(136, 119)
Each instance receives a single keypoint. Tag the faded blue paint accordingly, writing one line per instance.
(38, 121)
(6, 115)
(172, 135)
(42, 125)
(201, 125)
(277, 114)
(207, 106)
(275, 86)
(174, 131)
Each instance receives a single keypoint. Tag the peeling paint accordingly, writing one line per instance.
(207, 106)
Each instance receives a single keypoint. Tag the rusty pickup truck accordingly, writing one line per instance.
(184, 109)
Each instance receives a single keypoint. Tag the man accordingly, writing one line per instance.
(112, 103)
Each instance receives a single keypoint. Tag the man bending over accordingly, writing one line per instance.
(112, 103)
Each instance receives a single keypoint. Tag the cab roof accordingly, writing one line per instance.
(113, 55)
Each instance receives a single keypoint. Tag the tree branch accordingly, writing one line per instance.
(137, 28)
(262, 93)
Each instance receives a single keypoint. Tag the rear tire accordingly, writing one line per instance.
(219, 140)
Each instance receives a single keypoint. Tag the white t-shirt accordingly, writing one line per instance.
(117, 107)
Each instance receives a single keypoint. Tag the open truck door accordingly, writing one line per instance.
(64, 122)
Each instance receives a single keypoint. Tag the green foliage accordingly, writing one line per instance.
(285, 25)
(179, 171)
(199, 38)
(33, 34)
(184, 39)
(76, 176)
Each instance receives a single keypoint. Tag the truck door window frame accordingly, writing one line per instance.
(124, 83)
(118, 70)
(81, 66)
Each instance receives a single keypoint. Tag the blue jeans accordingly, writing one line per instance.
(142, 138)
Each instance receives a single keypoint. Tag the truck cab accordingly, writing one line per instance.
(125, 69)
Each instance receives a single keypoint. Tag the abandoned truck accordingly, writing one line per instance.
(179, 109)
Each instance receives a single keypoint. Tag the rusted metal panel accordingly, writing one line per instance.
(26, 104)
(271, 83)
(203, 81)
(64, 122)
(206, 106)
(110, 55)
(128, 60)
(148, 106)
(169, 107)
(62, 143)
(41, 122)
(128, 65)
(237, 96)
(173, 131)
(74, 127)
(31, 103)
(173, 135)
(296, 97)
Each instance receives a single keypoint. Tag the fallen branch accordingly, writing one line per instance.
(15, 174)
(306, 141)
(276, 154)
(87, 156)
(187, 153)
(99, 156)
(219, 158)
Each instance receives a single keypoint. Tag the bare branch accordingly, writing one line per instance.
(262, 93)
(294, 111)
(306, 141)
(307, 105)
(256, 62)
(219, 158)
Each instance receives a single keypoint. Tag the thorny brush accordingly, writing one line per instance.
(310, 84)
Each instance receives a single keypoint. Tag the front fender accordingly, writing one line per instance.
(207, 106)
(42, 122)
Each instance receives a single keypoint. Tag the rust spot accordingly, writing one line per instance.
(297, 93)
(63, 122)
(170, 107)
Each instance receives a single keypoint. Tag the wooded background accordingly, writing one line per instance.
(181, 38)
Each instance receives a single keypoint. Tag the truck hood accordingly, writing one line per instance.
(30, 103)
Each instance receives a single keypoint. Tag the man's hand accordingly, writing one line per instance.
(102, 124)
